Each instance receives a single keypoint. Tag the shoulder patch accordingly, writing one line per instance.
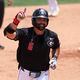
(50, 41)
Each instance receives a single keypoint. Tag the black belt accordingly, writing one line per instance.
(32, 74)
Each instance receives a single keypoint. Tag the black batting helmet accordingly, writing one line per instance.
(39, 13)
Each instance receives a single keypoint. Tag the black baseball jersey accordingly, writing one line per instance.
(33, 50)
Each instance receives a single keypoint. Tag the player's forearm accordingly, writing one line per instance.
(56, 52)
(11, 28)
(53, 60)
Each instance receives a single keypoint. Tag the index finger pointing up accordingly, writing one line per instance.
(24, 10)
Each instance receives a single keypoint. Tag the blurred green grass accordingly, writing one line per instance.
(68, 1)
(39, 2)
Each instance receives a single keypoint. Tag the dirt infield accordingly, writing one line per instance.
(67, 25)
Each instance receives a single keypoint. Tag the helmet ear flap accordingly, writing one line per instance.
(47, 21)
(33, 22)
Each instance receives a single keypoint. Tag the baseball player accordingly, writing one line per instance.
(53, 8)
(1, 16)
(34, 45)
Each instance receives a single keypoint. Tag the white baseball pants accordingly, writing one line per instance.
(24, 75)
(53, 5)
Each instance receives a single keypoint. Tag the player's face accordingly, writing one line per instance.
(41, 24)
(41, 21)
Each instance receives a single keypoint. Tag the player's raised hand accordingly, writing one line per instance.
(20, 16)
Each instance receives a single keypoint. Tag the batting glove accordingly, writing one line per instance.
(20, 16)
(53, 63)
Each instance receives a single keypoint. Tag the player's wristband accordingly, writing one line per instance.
(16, 21)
